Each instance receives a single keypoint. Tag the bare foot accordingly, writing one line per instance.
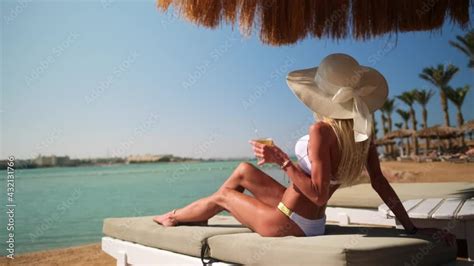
(167, 220)
(162, 218)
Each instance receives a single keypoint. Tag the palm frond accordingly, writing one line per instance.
(407, 97)
(440, 75)
(457, 95)
(465, 44)
(460, 47)
(389, 106)
(423, 96)
(405, 115)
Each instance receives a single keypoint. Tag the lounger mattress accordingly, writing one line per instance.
(364, 196)
(340, 246)
(182, 239)
(227, 240)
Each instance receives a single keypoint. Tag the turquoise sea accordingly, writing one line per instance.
(62, 207)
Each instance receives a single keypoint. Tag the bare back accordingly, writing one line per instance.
(294, 199)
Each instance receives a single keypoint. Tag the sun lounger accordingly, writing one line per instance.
(359, 204)
(364, 196)
(426, 204)
(172, 241)
(224, 241)
(453, 214)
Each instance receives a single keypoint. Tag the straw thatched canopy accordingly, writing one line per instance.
(438, 131)
(380, 142)
(283, 22)
(468, 126)
(401, 133)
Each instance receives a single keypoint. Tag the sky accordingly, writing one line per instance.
(114, 78)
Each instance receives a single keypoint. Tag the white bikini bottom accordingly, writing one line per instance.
(309, 227)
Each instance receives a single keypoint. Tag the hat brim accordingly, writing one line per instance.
(302, 84)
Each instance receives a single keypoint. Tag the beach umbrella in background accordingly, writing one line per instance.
(468, 128)
(400, 134)
(439, 132)
(384, 142)
(283, 22)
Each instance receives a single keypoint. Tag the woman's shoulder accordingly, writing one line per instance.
(322, 129)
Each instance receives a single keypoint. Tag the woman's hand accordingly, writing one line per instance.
(268, 154)
(439, 234)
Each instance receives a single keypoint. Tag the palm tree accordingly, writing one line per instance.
(384, 129)
(465, 44)
(423, 97)
(374, 123)
(457, 96)
(399, 125)
(440, 77)
(388, 108)
(405, 117)
(384, 123)
(408, 98)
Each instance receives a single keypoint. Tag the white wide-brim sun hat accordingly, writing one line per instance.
(340, 88)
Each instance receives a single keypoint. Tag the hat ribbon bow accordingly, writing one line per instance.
(362, 120)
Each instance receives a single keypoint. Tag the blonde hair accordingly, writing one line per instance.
(353, 154)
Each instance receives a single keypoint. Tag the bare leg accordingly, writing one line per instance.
(198, 212)
(245, 176)
(262, 218)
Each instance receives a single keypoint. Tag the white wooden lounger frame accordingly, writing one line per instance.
(127, 253)
(453, 214)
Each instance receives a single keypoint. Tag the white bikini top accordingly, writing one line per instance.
(301, 151)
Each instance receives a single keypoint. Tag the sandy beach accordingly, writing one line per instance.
(91, 254)
(428, 172)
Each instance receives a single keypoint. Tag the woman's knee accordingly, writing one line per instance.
(221, 196)
(245, 168)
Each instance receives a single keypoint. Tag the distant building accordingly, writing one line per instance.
(46, 161)
(148, 158)
(3, 164)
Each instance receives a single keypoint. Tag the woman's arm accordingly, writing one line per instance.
(388, 195)
(316, 188)
(385, 191)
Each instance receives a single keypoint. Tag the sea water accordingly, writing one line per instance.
(65, 206)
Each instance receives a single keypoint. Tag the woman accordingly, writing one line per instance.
(342, 94)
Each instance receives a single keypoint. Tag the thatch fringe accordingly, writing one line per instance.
(438, 131)
(468, 126)
(283, 22)
(401, 133)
